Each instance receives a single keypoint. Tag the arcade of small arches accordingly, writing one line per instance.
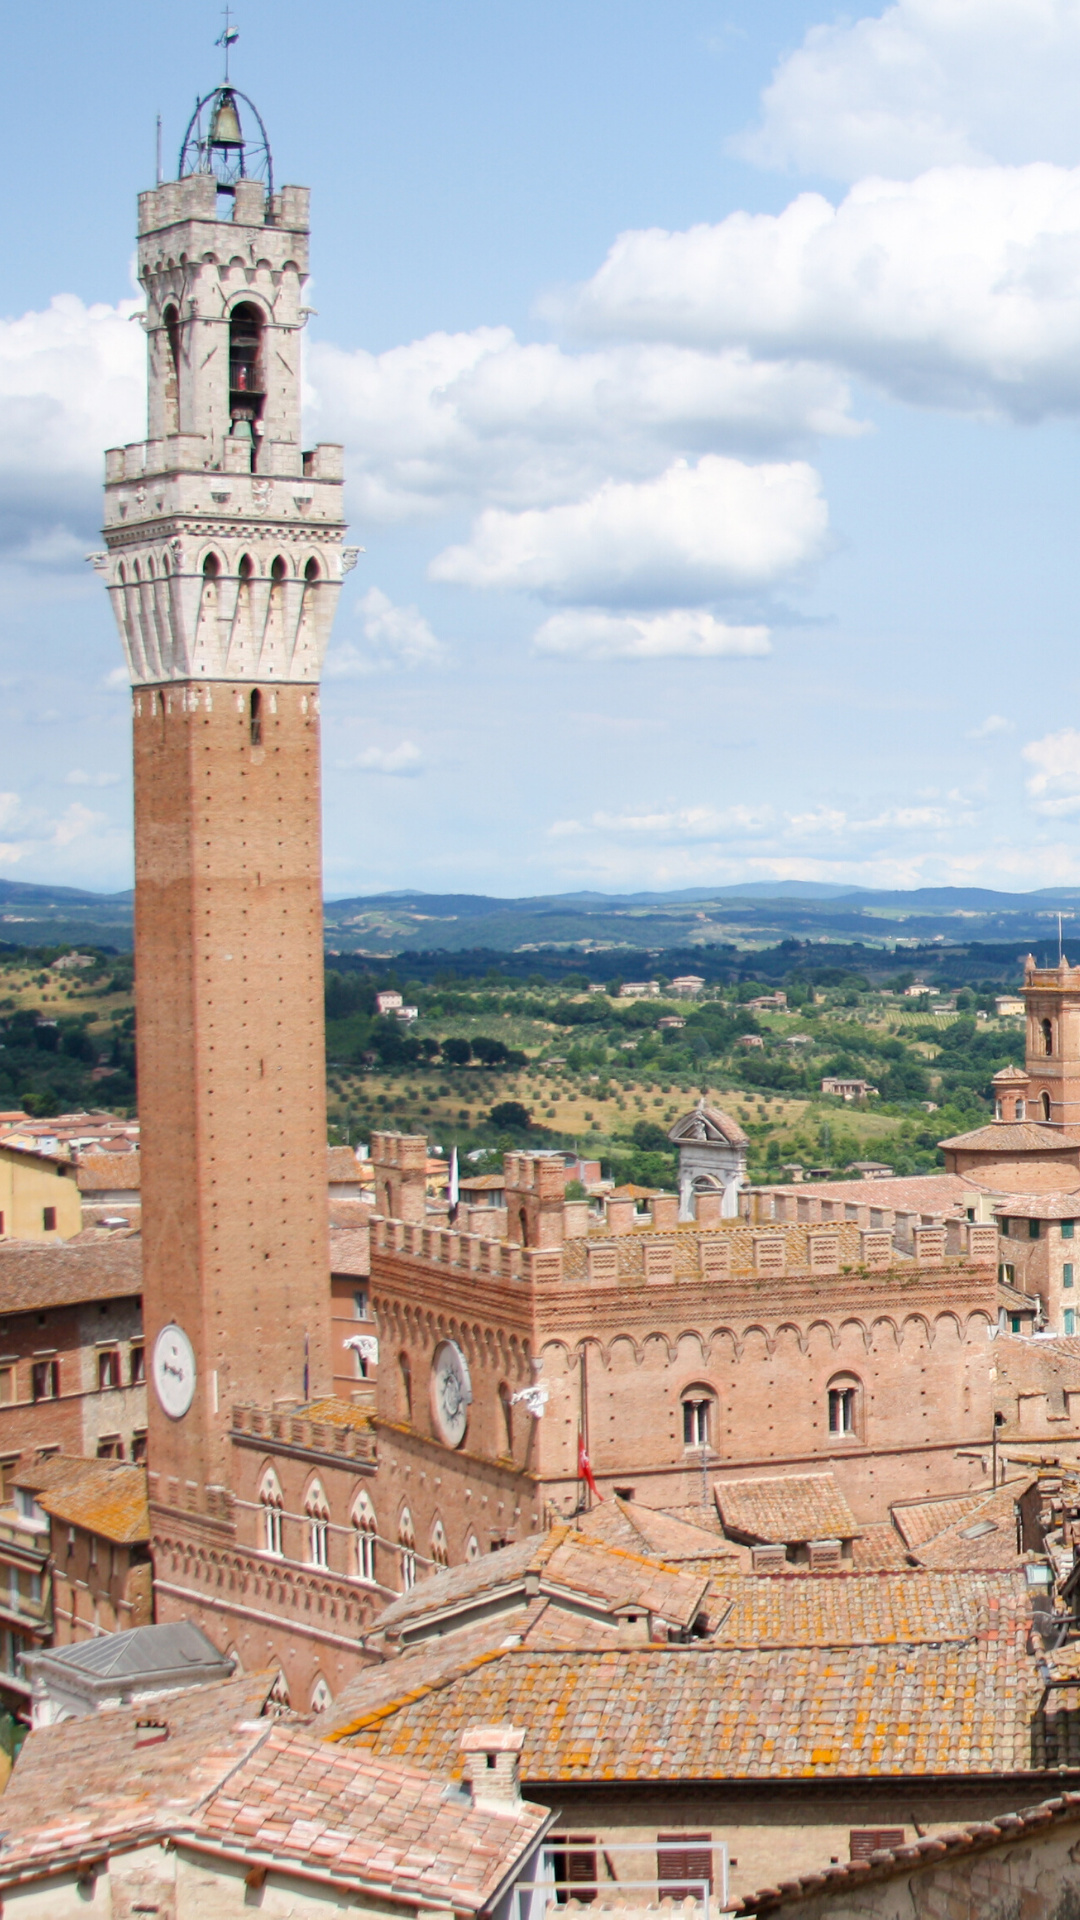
(388, 1563)
(757, 1340)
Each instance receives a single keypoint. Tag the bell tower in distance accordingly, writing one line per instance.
(224, 564)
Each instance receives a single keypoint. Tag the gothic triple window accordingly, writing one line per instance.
(272, 1503)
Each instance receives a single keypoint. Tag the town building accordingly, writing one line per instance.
(712, 1163)
(127, 1668)
(39, 1198)
(72, 1364)
(845, 1089)
(207, 1802)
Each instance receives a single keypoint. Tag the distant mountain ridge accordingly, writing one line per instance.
(749, 914)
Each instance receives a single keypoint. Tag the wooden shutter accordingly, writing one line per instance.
(863, 1841)
(683, 1861)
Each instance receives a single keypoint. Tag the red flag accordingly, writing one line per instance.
(584, 1468)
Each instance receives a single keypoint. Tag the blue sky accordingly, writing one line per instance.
(709, 377)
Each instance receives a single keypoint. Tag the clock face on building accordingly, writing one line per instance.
(174, 1371)
(451, 1393)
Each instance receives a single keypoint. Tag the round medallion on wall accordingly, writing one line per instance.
(173, 1368)
(451, 1393)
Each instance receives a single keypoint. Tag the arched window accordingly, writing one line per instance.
(1021, 1109)
(245, 366)
(406, 1383)
(1048, 1036)
(365, 1531)
(844, 1396)
(272, 1503)
(311, 572)
(321, 1696)
(472, 1548)
(523, 1226)
(255, 717)
(440, 1553)
(697, 1415)
(318, 1519)
(171, 319)
(407, 1543)
(278, 572)
(1044, 1105)
(506, 1404)
(211, 570)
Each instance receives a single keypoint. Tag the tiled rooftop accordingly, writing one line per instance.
(110, 1501)
(787, 1508)
(909, 1608)
(561, 1562)
(104, 1172)
(298, 1802)
(938, 1193)
(697, 1712)
(650, 1530)
(1016, 1136)
(266, 1789)
(1040, 1206)
(58, 1274)
(984, 1537)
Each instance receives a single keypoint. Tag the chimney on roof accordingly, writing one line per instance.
(635, 1625)
(492, 1766)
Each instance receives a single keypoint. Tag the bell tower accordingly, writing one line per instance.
(224, 564)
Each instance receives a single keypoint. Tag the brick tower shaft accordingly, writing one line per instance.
(230, 1057)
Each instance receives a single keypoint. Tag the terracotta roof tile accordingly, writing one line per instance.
(787, 1508)
(63, 1274)
(911, 1608)
(1040, 1206)
(698, 1712)
(109, 1172)
(1016, 1136)
(110, 1501)
(653, 1530)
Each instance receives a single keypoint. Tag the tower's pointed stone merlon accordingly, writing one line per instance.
(224, 564)
(712, 1159)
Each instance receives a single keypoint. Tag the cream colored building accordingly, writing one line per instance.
(39, 1196)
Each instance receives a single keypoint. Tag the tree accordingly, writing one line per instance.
(458, 1053)
(490, 1053)
(511, 1115)
(649, 1138)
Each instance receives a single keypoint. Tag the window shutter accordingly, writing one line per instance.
(863, 1841)
(683, 1861)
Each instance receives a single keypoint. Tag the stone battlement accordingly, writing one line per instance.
(732, 1249)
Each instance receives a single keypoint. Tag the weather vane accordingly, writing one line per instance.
(227, 39)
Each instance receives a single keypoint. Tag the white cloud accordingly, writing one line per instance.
(1055, 784)
(994, 723)
(403, 759)
(74, 823)
(926, 83)
(393, 637)
(77, 778)
(116, 680)
(686, 633)
(958, 289)
(72, 382)
(456, 419)
(690, 534)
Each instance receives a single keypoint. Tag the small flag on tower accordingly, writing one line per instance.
(453, 1187)
(584, 1468)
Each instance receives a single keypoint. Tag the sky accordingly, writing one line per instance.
(709, 379)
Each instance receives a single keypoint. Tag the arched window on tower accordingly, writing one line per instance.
(440, 1553)
(255, 717)
(506, 1406)
(318, 1519)
(365, 1534)
(246, 382)
(1044, 1105)
(321, 1696)
(406, 1383)
(697, 1416)
(407, 1543)
(844, 1399)
(271, 1501)
(1048, 1036)
(171, 322)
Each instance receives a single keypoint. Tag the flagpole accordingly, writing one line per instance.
(583, 1424)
